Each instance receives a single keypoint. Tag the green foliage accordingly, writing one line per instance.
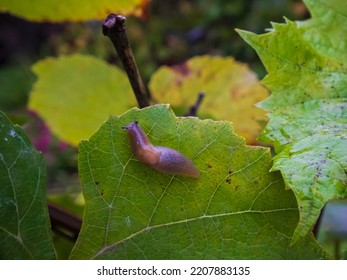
(15, 84)
(230, 212)
(308, 119)
(326, 27)
(178, 30)
(236, 209)
(24, 223)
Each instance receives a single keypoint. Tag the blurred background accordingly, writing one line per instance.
(168, 33)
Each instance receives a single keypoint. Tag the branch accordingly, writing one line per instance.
(194, 108)
(64, 222)
(114, 28)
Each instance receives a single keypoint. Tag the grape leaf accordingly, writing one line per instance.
(69, 10)
(307, 76)
(231, 90)
(324, 29)
(24, 223)
(235, 210)
(75, 94)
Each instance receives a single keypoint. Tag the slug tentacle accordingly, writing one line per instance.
(162, 159)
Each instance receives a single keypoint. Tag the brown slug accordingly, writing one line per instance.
(162, 159)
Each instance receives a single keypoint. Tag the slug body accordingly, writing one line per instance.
(162, 159)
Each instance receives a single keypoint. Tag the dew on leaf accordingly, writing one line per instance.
(127, 221)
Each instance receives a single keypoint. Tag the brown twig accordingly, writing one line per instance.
(64, 222)
(194, 108)
(114, 28)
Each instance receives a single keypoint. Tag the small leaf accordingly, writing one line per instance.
(308, 119)
(24, 223)
(231, 91)
(75, 94)
(235, 210)
(69, 10)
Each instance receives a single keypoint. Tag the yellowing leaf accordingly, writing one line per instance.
(70, 10)
(231, 90)
(307, 76)
(76, 94)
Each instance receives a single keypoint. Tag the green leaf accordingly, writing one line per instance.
(24, 223)
(75, 94)
(325, 28)
(308, 120)
(235, 210)
(231, 90)
(70, 10)
(313, 160)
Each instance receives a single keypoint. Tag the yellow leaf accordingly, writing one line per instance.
(231, 90)
(76, 94)
(69, 10)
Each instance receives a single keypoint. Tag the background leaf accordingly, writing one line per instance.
(231, 90)
(24, 223)
(235, 210)
(308, 126)
(76, 94)
(15, 83)
(70, 10)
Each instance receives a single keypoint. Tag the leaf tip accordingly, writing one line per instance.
(244, 33)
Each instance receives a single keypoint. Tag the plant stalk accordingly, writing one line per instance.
(194, 108)
(114, 27)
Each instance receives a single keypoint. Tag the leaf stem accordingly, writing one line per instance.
(114, 27)
(64, 222)
(194, 108)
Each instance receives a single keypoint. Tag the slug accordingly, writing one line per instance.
(162, 159)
